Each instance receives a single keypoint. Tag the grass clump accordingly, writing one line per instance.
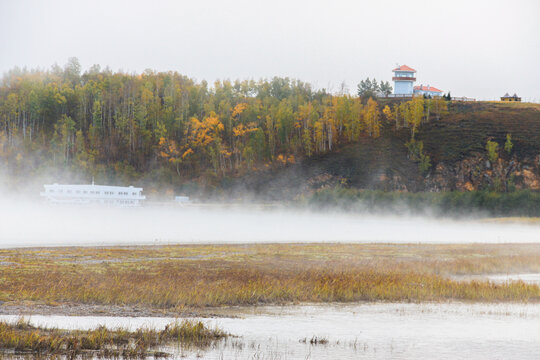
(315, 340)
(23, 338)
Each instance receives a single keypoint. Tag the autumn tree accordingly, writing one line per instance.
(64, 138)
(492, 149)
(388, 113)
(439, 107)
(371, 118)
(415, 114)
(508, 145)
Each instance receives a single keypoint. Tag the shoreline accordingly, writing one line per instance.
(28, 310)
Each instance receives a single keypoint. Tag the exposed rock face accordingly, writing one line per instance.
(529, 179)
(475, 172)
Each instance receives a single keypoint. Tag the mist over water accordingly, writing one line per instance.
(28, 223)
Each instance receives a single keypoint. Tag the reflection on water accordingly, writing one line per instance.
(359, 331)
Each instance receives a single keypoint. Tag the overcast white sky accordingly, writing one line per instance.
(472, 48)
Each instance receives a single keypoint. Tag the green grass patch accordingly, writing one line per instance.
(456, 203)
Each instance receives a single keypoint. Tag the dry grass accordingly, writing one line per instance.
(180, 277)
(511, 104)
(22, 338)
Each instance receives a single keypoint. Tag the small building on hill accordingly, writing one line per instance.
(427, 90)
(507, 97)
(404, 78)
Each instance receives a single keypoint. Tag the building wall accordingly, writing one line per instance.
(404, 73)
(432, 93)
(403, 87)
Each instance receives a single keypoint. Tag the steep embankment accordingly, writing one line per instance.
(456, 145)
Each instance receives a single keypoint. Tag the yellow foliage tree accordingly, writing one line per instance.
(170, 152)
(239, 109)
(371, 118)
(439, 107)
(388, 113)
(319, 136)
(416, 114)
(240, 133)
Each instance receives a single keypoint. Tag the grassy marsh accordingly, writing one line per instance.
(202, 276)
(23, 338)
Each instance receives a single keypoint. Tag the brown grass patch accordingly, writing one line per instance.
(179, 277)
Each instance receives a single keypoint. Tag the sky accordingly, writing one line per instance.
(472, 48)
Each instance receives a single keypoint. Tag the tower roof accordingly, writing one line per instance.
(404, 68)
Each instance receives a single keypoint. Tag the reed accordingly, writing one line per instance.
(21, 337)
(183, 277)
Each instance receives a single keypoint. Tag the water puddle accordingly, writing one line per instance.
(533, 278)
(359, 331)
(526, 278)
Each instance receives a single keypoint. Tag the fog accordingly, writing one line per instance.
(27, 223)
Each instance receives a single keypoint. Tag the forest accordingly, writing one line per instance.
(165, 126)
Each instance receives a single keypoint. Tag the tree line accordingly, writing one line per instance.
(105, 123)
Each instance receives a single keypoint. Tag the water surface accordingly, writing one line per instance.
(359, 331)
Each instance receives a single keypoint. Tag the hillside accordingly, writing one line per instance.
(456, 145)
(468, 126)
(276, 138)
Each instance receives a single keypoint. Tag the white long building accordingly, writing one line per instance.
(93, 194)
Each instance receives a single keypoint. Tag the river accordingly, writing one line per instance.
(355, 331)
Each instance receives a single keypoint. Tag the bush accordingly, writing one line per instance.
(454, 203)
